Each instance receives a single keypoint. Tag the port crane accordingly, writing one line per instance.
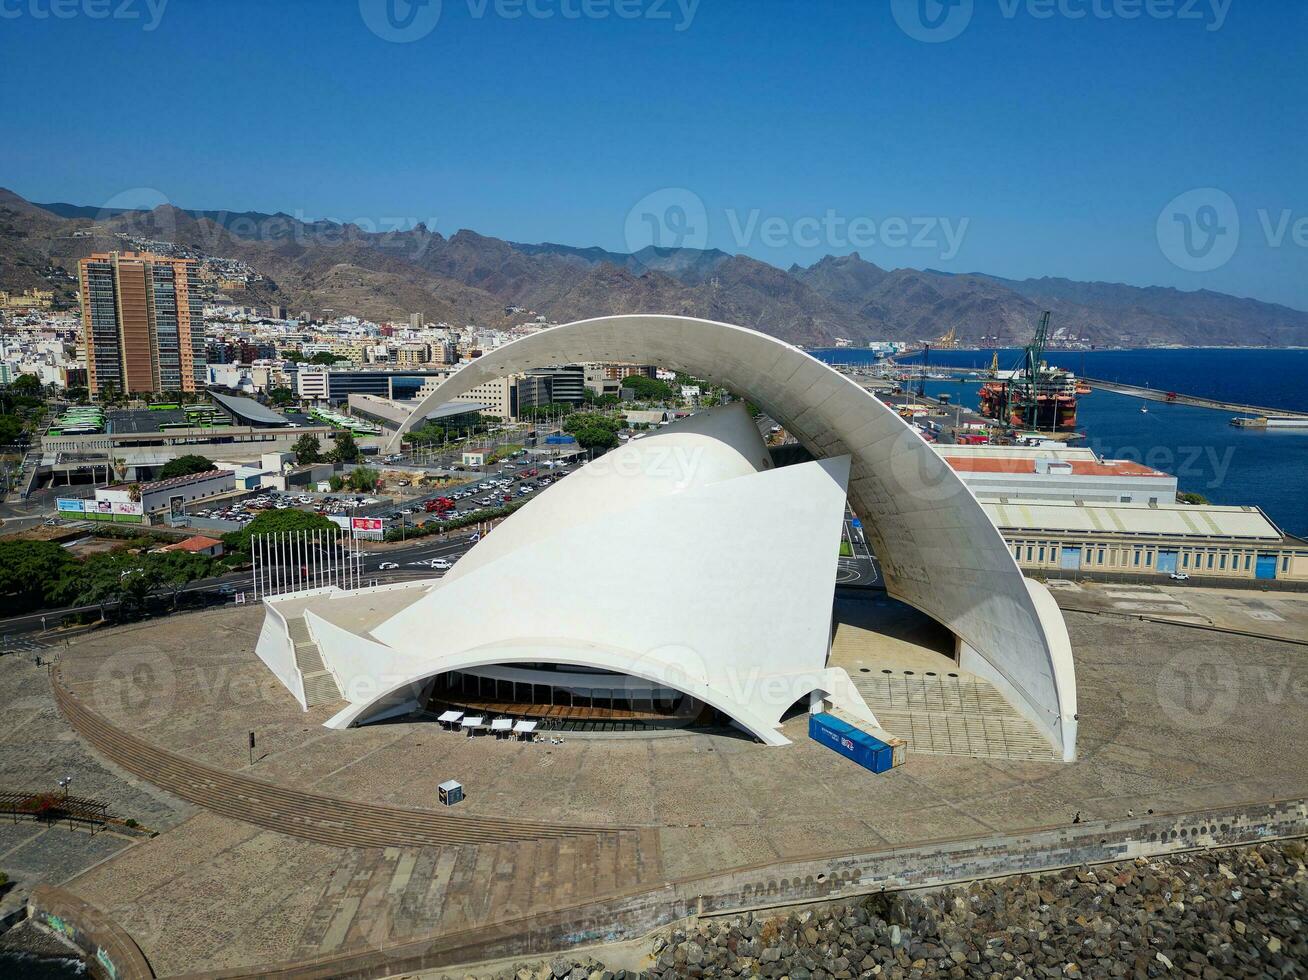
(1033, 355)
(1019, 389)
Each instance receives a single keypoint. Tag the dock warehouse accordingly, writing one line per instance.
(1200, 540)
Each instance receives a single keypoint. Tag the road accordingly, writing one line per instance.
(410, 560)
(861, 569)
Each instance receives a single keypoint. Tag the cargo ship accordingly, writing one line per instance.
(1008, 399)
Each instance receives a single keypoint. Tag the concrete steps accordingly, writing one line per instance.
(320, 685)
(327, 820)
(952, 715)
(320, 688)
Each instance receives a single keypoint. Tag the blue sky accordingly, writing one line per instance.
(1035, 142)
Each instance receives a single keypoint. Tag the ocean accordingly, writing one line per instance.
(1228, 465)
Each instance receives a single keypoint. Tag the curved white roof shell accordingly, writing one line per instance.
(938, 549)
(683, 558)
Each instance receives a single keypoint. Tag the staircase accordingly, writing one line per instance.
(319, 685)
(952, 713)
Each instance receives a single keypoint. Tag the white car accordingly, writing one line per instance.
(1179, 577)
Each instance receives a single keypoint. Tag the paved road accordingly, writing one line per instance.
(862, 568)
(410, 560)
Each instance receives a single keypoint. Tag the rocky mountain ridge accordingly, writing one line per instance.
(474, 278)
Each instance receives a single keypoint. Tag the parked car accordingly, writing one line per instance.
(1179, 576)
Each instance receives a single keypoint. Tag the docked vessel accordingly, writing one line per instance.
(1271, 421)
(1034, 396)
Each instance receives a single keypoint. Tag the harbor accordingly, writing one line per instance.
(1234, 464)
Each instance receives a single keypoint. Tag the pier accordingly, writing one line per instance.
(1175, 398)
(912, 372)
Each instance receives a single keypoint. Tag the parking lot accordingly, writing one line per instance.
(243, 511)
(513, 479)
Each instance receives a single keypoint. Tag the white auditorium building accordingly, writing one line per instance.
(732, 620)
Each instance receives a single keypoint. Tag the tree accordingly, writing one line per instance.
(595, 437)
(281, 397)
(346, 449)
(363, 478)
(583, 420)
(592, 397)
(27, 385)
(307, 449)
(177, 569)
(426, 434)
(11, 430)
(275, 522)
(550, 410)
(32, 573)
(648, 389)
(138, 578)
(323, 357)
(185, 466)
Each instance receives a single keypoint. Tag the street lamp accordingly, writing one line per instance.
(64, 783)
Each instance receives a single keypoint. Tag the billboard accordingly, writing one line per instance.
(128, 507)
(70, 505)
(368, 528)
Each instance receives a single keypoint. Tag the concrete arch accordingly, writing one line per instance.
(939, 551)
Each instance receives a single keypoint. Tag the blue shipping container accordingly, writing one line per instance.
(869, 752)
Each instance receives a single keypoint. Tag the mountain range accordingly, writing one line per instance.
(473, 278)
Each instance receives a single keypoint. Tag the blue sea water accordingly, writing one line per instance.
(1228, 465)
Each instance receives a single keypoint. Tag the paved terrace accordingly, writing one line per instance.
(220, 891)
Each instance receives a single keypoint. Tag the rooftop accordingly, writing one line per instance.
(249, 411)
(176, 481)
(1017, 452)
(1079, 467)
(1184, 520)
(197, 542)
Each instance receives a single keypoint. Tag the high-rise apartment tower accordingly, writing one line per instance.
(142, 323)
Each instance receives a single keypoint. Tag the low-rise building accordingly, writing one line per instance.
(1135, 539)
(197, 544)
(999, 476)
